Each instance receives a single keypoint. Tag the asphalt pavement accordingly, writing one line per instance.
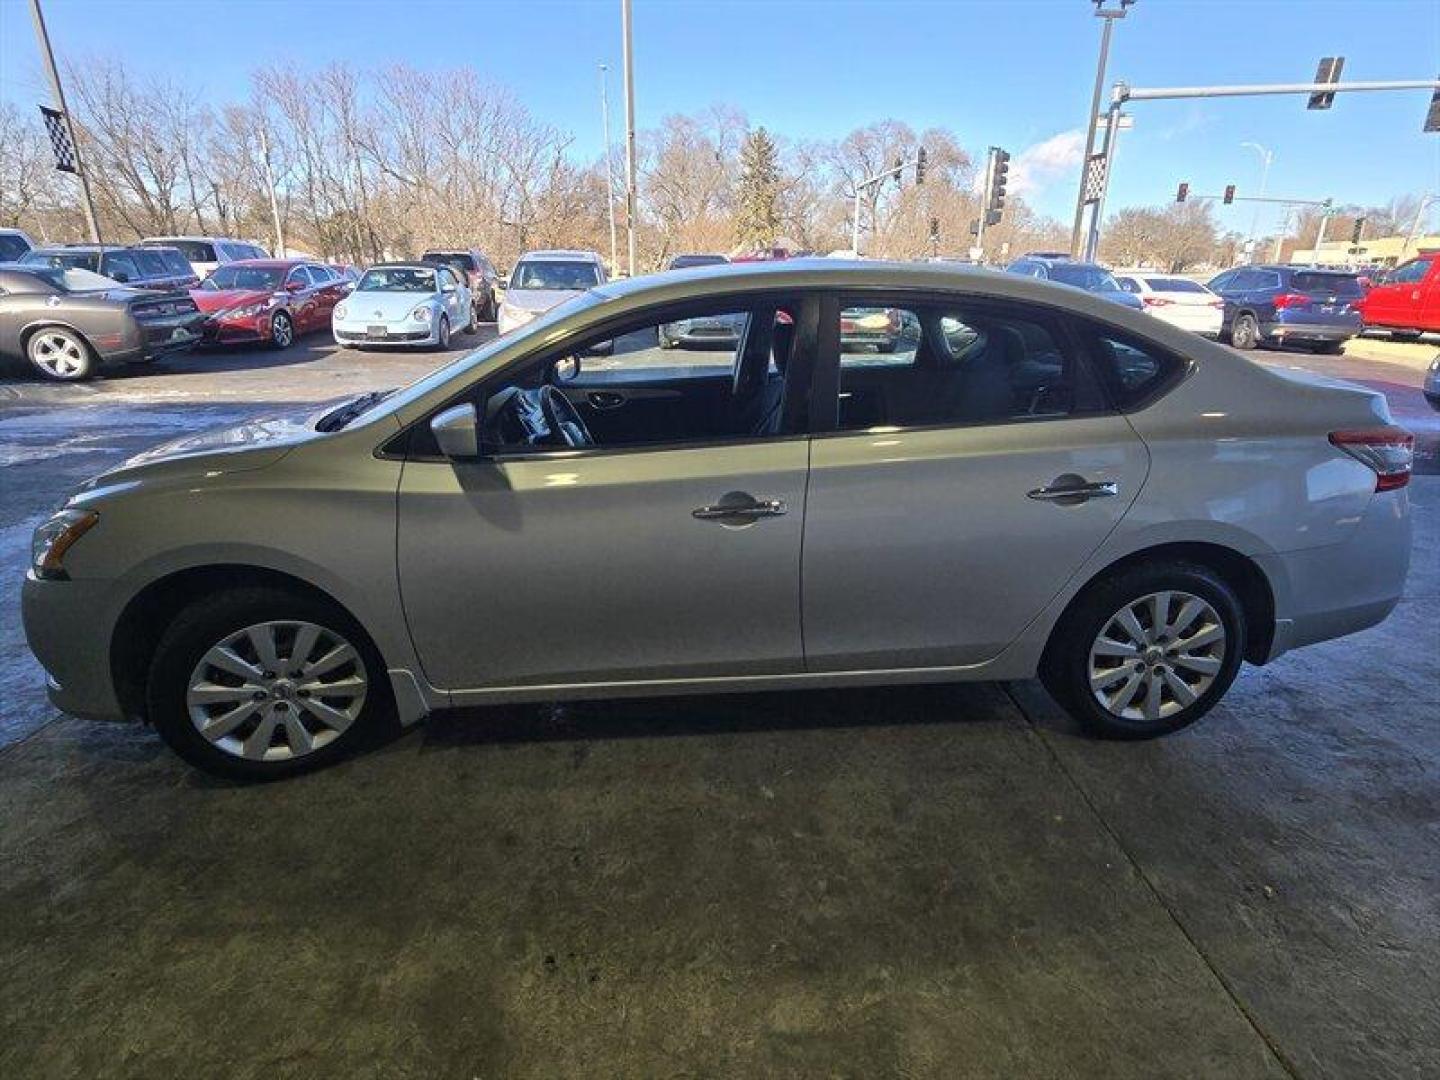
(923, 881)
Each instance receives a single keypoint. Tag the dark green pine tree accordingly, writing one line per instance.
(757, 220)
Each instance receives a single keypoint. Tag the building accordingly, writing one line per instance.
(1380, 250)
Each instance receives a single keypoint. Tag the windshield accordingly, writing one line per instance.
(553, 274)
(1084, 277)
(249, 278)
(1328, 284)
(79, 260)
(193, 250)
(1174, 284)
(450, 258)
(401, 279)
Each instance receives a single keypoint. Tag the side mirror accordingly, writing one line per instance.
(566, 369)
(457, 430)
(121, 276)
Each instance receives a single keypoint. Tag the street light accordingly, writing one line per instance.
(1109, 15)
(609, 168)
(1266, 157)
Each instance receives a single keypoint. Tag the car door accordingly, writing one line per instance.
(965, 477)
(449, 296)
(327, 294)
(544, 566)
(301, 290)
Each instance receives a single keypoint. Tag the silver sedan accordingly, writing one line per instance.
(1034, 481)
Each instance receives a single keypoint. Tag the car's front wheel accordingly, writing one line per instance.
(262, 683)
(1148, 651)
(442, 335)
(282, 330)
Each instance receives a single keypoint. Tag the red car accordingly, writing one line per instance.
(271, 301)
(1407, 299)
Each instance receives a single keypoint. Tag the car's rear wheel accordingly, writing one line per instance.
(60, 354)
(1148, 651)
(282, 330)
(1245, 332)
(1328, 348)
(262, 683)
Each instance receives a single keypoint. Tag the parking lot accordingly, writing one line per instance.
(923, 881)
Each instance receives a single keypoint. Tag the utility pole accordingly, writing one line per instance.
(1266, 157)
(609, 166)
(270, 187)
(1320, 232)
(625, 28)
(1425, 203)
(1109, 15)
(49, 57)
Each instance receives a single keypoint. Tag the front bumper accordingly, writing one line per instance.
(237, 331)
(409, 332)
(68, 632)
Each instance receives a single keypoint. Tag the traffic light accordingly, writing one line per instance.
(1357, 230)
(992, 217)
(934, 228)
(1432, 118)
(920, 166)
(999, 174)
(1327, 72)
(1229, 194)
(899, 172)
(1182, 193)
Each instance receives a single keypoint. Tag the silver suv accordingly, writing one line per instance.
(1033, 480)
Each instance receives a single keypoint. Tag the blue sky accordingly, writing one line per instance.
(1016, 73)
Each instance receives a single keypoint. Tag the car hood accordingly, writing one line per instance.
(254, 444)
(383, 306)
(539, 299)
(212, 300)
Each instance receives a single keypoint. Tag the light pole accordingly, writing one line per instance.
(629, 131)
(609, 166)
(1425, 204)
(1109, 15)
(1266, 157)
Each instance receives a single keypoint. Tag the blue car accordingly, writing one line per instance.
(1081, 275)
(1281, 305)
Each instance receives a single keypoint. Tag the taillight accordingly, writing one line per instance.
(1390, 451)
(1155, 301)
(1217, 303)
(1291, 299)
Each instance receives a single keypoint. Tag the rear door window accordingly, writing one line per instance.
(1408, 273)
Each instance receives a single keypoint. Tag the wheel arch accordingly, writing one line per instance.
(149, 612)
(28, 332)
(1239, 571)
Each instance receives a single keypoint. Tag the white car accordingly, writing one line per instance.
(542, 279)
(1179, 301)
(205, 253)
(404, 304)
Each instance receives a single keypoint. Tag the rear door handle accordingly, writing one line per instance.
(1076, 493)
(738, 511)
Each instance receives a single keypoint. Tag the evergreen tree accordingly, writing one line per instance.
(757, 220)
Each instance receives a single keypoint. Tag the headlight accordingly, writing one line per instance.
(53, 539)
(341, 311)
(422, 313)
(249, 310)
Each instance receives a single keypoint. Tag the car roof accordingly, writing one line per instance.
(415, 264)
(561, 254)
(273, 264)
(208, 239)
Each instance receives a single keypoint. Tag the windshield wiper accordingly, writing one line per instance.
(338, 418)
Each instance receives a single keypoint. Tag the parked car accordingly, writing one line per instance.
(13, 245)
(1407, 301)
(684, 262)
(875, 329)
(1055, 485)
(479, 275)
(1079, 275)
(1432, 383)
(140, 268)
(1289, 305)
(542, 279)
(702, 332)
(269, 301)
(1179, 301)
(68, 323)
(205, 253)
(405, 304)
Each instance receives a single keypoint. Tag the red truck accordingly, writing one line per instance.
(1407, 299)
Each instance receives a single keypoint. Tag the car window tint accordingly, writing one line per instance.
(959, 367)
(1133, 369)
(151, 264)
(1171, 284)
(1130, 285)
(878, 336)
(120, 262)
(1327, 284)
(701, 345)
(11, 247)
(1408, 273)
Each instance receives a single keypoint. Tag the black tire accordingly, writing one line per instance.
(1065, 669)
(473, 326)
(443, 337)
(1328, 348)
(1245, 332)
(492, 309)
(60, 354)
(208, 621)
(282, 330)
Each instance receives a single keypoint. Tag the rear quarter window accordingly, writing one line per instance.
(1133, 370)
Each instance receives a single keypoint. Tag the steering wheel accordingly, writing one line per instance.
(563, 419)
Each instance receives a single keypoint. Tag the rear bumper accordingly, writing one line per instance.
(1328, 592)
(1307, 331)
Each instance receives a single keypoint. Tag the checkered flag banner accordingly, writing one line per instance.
(60, 140)
(1095, 168)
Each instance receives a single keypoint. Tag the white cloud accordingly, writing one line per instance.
(1037, 167)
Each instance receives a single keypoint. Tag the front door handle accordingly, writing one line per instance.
(736, 511)
(1066, 491)
(605, 399)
